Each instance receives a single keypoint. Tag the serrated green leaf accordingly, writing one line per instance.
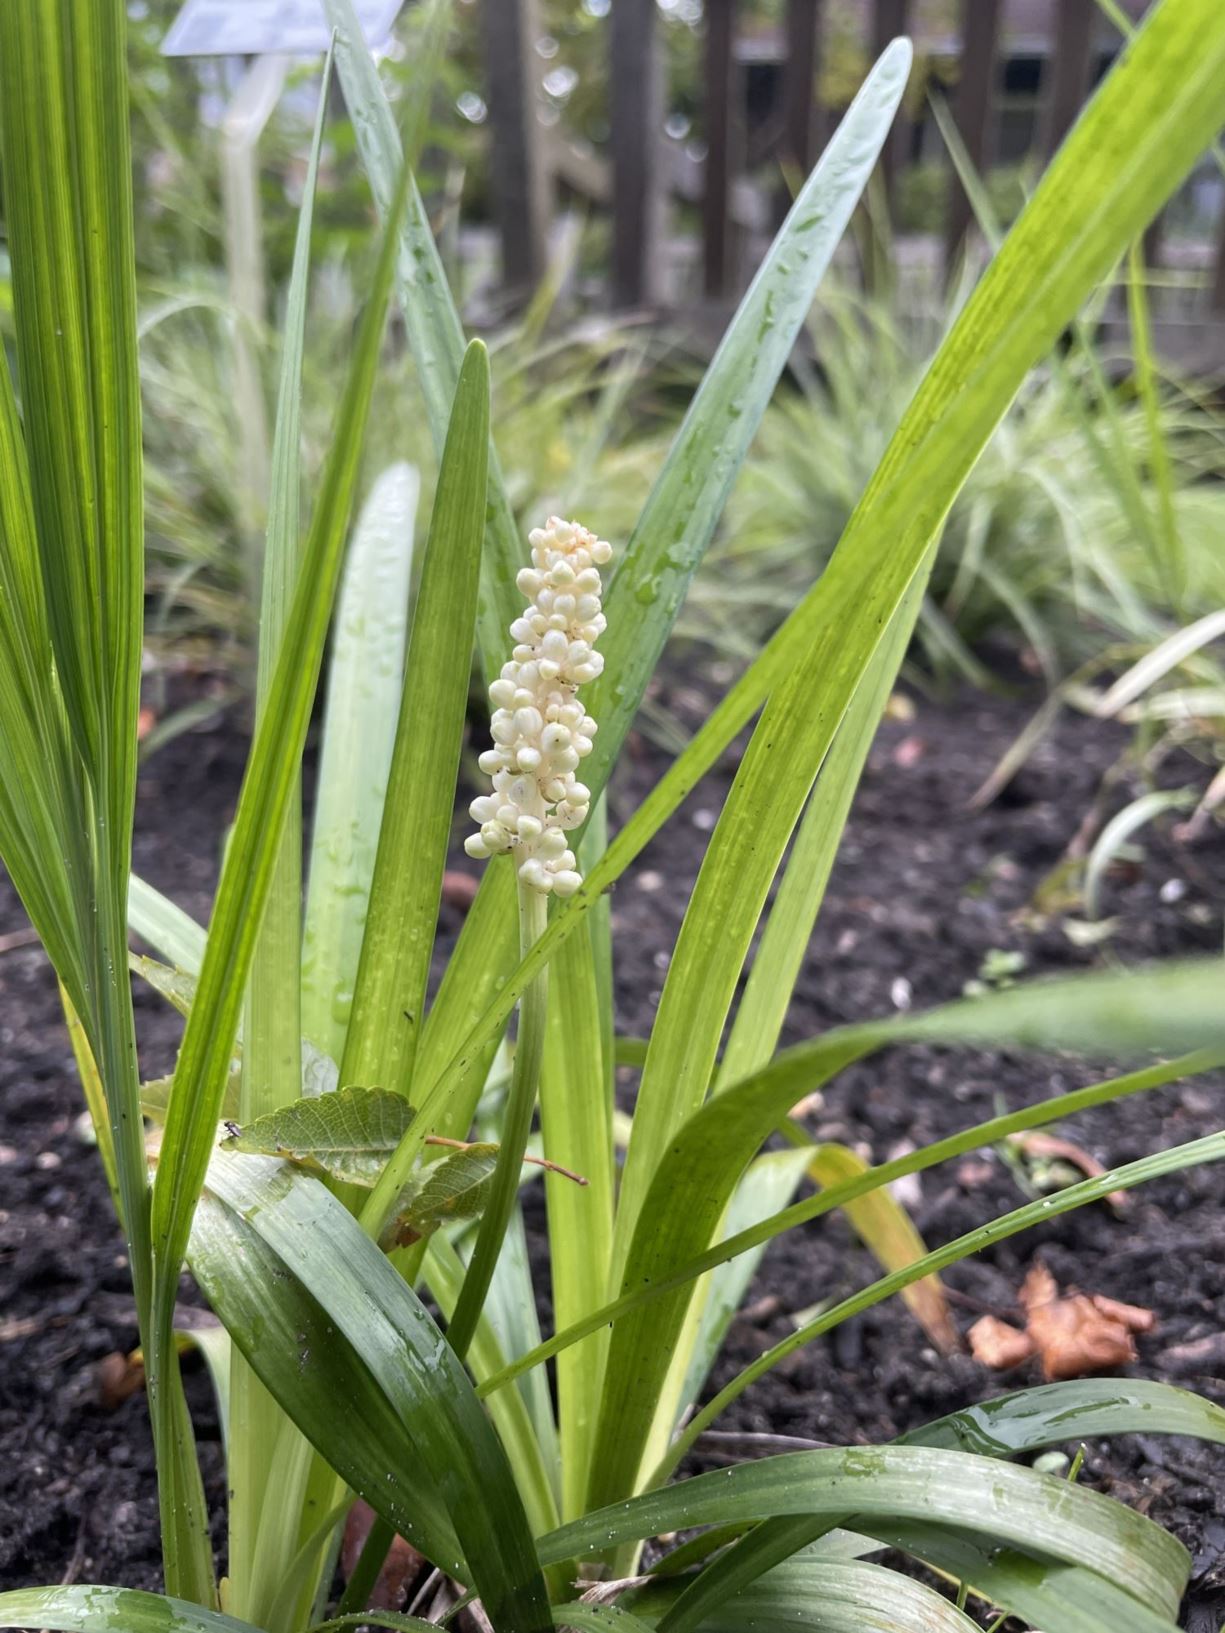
(347, 1135)
(455, 1188)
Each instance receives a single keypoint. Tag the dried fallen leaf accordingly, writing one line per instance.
(997, 1345)
(1134, 1316)
(1071, 1333)
(1076, 1333)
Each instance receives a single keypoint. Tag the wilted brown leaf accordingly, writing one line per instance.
(1071, 1333)
(997, 1345)
(1077, 1333)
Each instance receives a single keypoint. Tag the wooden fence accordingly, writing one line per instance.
(643, 172)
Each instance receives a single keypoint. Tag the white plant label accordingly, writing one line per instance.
(251, 28)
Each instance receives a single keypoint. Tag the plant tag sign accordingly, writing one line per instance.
(252, 28)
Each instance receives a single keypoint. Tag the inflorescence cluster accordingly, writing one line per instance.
(540, 731)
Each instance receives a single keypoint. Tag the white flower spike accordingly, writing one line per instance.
(540, 732)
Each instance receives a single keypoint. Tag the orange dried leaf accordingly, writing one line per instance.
(1133, 1316)
(996, 1344)
(1071, 1334)
(1076, 1334)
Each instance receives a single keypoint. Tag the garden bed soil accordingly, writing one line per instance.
(924, 891)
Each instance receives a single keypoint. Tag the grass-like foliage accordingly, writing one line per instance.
(330, 1146)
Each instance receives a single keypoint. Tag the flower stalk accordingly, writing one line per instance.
(540, 735)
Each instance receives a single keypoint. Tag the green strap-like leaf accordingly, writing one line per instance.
(318, 1377)
(370, 1305)
(678, 521)
(1082, 1409)
(843, 1597)
(784, 943)
(1006, 1504)
(444, 1275)
(576, 1129)
(1008, 1426)
(1067, 1599)
(435, 332)
(389, 995)
(173, 932)
(365, 678)
(1194, 1153)
(84, 1609)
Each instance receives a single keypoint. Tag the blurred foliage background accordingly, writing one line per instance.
(1048, 567)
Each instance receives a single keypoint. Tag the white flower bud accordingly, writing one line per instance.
(540, 731)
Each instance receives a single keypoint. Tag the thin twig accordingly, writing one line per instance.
(537, 1162)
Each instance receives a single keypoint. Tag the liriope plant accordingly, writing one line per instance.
(332, 1146)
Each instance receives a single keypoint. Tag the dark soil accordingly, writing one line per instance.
(923, 893)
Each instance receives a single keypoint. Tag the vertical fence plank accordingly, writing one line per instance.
(1068, 69)
(722, 133)
(972, 108)
(520, 184)
(889, 19)
(803, 26)
(636, 77)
